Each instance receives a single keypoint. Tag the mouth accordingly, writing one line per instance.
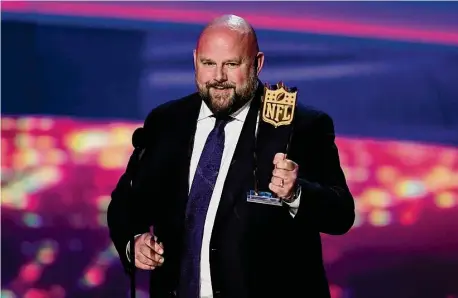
(220, 88)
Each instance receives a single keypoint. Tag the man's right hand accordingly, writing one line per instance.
(148, 253)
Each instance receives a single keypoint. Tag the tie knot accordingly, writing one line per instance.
(221, 121)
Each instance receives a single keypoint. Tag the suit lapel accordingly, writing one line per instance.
(240, 173)
(183, 134)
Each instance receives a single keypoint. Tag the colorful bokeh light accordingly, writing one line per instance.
(57, 175)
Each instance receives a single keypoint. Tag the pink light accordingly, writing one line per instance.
(57, 291)
(94, 277)
(304, 24)
(30, 273)
(32, 204)
(35, 293)
(408, 217)
(336, 291)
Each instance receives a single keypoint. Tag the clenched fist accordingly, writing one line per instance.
(284, 176)
(148, 252)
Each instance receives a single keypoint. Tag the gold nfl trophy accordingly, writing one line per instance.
(277, 109)
(279, 105)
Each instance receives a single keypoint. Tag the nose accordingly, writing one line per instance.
(220, 75)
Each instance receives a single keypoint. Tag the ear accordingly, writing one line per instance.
(194, 54)
(259, 62)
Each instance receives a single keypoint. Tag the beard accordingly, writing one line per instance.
(223, 99)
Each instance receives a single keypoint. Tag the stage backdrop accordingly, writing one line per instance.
(79, 77)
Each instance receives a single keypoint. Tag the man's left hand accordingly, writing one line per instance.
(284, 177)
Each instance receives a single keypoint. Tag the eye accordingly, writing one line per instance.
(208, 63)
(232, 64)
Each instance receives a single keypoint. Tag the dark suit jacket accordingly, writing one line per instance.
(256, 250)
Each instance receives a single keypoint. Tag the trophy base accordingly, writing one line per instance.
(263, 197)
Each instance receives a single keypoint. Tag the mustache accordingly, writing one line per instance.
(219, 85)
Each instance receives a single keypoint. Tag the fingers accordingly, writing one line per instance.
(148, 253)
(286, 164)
(281, 162)
(149, 257)
(284, 176)
(280, 191)
(143, 263)
(279, 157)
(150, 241)
(277, 181)
(281, 184)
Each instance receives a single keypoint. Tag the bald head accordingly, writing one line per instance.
(227, 62)
(231, 21)
(236, 24)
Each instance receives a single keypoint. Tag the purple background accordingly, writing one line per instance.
(79, 77)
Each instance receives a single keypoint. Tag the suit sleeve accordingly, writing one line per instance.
(326, 201)
(123, 222)
(122, 226)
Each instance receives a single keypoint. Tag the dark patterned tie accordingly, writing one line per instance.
(196, 210)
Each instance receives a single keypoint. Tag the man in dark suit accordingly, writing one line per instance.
(206, 152)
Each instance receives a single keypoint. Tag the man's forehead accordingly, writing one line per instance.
(220, 47)
(222, 36)
(222, 58)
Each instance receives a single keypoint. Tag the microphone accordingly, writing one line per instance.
(139, 138)
(139, 143)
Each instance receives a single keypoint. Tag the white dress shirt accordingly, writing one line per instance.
(205, 124)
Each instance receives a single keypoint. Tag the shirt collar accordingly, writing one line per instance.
(204, 112)
(238, 115)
